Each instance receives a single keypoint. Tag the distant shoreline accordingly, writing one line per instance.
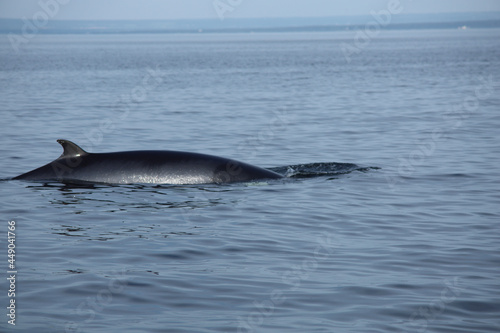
(324, 24)
(409, 26)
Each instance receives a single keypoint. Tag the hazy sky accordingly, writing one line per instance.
(178, 9)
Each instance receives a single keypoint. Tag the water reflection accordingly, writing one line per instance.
(113, 231)
(106, 212)
(123, 197)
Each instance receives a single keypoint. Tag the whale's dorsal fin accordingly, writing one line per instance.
(71, 149)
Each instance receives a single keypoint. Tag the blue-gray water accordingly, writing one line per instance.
(410, 245)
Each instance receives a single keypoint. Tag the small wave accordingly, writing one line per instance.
(319, 169)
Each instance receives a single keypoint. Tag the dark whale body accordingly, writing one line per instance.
(147, 167)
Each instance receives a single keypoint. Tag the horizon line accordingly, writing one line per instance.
(262, 18)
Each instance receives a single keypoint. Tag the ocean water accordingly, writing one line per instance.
(406, 240)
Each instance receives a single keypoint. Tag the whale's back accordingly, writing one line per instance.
(153, 167)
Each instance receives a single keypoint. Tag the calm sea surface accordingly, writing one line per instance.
(407, 242)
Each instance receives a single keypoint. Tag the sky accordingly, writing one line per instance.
(195, 9)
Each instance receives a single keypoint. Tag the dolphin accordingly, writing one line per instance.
(75, 165)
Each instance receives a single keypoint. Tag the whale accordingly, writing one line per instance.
(75, 165)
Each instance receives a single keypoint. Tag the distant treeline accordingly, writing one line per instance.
(35, 24)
